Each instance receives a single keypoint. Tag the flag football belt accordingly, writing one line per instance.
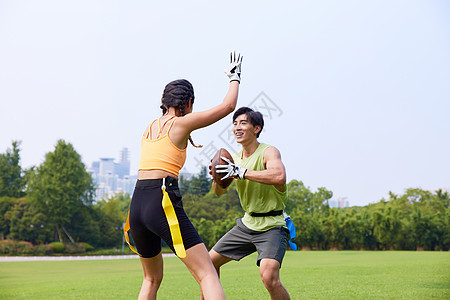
(267, 214)
(172, 220)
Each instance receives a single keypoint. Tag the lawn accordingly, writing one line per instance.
(306, 275)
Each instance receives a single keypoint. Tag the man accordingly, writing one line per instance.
(262, 190)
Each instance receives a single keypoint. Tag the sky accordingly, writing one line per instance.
(355, 94)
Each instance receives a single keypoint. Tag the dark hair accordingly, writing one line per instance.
(255, 117)
(177, 94)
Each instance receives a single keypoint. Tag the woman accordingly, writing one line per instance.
(163, 154)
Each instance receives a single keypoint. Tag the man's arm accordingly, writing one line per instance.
(274, 174)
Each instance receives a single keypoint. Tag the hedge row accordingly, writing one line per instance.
(11, 248)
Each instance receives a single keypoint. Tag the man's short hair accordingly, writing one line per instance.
(255, 117)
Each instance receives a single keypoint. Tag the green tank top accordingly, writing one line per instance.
(258, 197)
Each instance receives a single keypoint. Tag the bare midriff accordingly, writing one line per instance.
(155, 174)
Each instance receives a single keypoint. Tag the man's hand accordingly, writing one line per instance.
(231, 169)
(234, 71)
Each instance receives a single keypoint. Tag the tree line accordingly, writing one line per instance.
(54, 202)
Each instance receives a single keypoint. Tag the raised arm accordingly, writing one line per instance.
(193, 121)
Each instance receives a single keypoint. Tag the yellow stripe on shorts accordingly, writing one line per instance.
(173, 225)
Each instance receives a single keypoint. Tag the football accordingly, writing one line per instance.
(219, 161)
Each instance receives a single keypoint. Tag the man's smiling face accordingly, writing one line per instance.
(243, 129)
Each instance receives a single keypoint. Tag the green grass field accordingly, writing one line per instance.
(306, 275)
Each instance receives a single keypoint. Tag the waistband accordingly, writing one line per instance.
(267, 214)
(170, 182)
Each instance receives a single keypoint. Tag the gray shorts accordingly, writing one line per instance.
(241, 241)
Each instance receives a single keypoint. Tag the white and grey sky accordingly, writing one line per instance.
(359, 90)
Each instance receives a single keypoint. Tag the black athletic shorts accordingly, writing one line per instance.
(148, 223)
(241, 241)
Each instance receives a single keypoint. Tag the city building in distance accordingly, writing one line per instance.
(112, 177)
(340, 202)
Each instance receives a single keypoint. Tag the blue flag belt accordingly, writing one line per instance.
(291, 227)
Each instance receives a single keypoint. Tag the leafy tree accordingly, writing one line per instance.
(60, 185)
(205, 229)
(333, 224)
(351, 238)
(386, 225)
(211, 231)
(443, 199)
(309, 211)
(85, 225)
(100, 224)
(12, 182)
(26, 223)
(298, 195)
(212, 207)
(199, 184)
(6, 204)
(442, 205)
(113, 214)
(368, 241)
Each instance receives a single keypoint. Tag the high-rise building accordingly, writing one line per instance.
(111, 177)
(107, 166)
(339, 202)
(122, 168)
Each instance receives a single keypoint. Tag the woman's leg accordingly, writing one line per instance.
(199, 264)
(153, 274)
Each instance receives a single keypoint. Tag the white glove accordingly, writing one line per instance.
(231, 169)
(234, 71)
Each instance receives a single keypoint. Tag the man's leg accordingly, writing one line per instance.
(270, 275)
(218, 260)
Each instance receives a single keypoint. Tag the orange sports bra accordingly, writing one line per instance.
(161, 153)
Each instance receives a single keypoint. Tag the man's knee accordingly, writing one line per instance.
(217, 259)
(270, 275)
(271, 280)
